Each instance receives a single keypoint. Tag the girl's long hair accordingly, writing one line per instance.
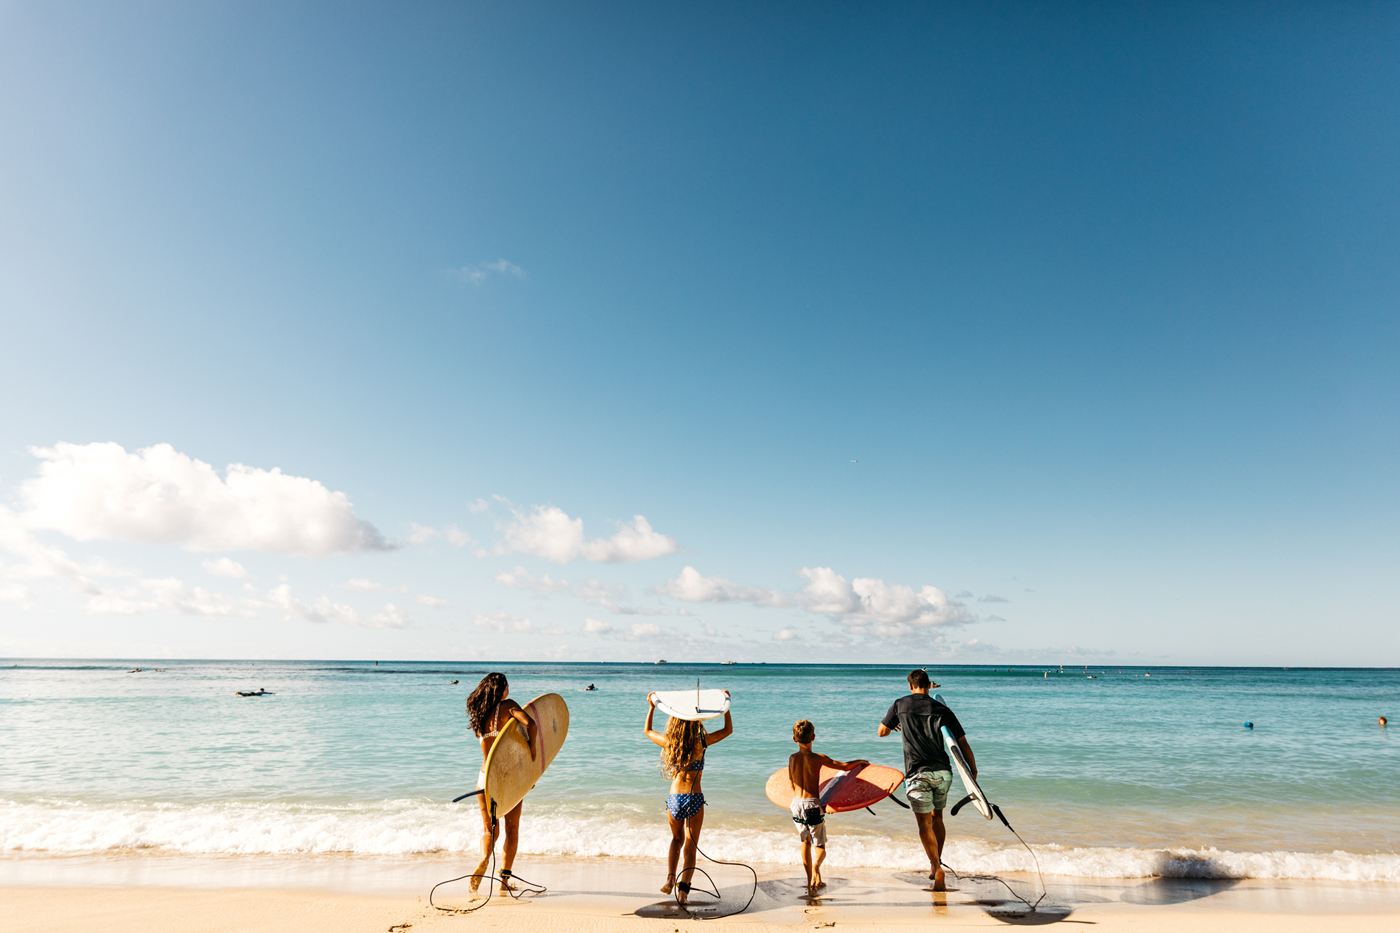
(685, 742)
(481, 705)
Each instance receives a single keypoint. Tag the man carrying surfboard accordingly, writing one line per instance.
(928, 773)
(804, 771)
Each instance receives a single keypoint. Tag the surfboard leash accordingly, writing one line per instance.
(492, 879)
(685, 908)
(1007, 823)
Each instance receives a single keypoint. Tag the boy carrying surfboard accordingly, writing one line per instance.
(808, 809)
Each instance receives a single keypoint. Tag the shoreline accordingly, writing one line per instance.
(625, 891)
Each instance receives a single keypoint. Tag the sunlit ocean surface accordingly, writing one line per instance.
(1116, 775)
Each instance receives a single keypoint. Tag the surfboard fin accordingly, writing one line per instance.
(465, 796)
(898, 801)
(872, 812)
(962, 803)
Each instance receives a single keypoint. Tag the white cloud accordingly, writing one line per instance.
(691, 586)
(521, 579)
(225, 567)
(15, 593)
(422, 534)
(432, 602)
(323, 609)
(477, 506)
(158, 495)
(503, 622)
(168, 593)
(786, 634)
(369, 586)
(596, 627)
(549, 532)
(871, 606)
(989, 598)
(645, 630)
(475, 275)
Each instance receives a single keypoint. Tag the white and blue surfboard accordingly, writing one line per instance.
(974, 793)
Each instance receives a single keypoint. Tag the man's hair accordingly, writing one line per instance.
(918, 680)
(803, 731)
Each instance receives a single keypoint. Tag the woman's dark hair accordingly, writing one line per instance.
(481, 705)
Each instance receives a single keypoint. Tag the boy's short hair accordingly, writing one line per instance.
(803, 731)
(918, 680)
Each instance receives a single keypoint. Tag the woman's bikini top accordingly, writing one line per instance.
(698, 764)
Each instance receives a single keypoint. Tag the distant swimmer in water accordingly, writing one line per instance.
(590, 687)
(1381, 721)
(260, 692)
(134, 670)
(454, 682)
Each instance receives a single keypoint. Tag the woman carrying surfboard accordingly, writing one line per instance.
(683, 748)
(489, 710)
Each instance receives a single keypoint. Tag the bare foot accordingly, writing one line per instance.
(478, 875)
(940, 882)
(817, 882)
(670, 883)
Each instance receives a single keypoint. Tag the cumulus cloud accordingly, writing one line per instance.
(644, 630)
(871, 606)
(548, 532)
(422, 534)
(521, 579)
(479, 273)
(323, 609)
(158, 495)
(785, 634)
(596, 627)
(432, 602)
(369, 586)
(503, 622)
(477, 506)
(225, 567)
(167, 593)
(989, 598)
(690, 585)
(15, 593)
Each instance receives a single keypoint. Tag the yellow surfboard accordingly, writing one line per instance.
(510, 772)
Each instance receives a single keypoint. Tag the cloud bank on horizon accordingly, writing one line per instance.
(163, 499)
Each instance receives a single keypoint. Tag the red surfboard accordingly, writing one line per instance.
(855, 789)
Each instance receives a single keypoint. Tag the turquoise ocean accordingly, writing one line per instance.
(1130, 772)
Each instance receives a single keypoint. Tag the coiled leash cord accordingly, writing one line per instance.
(1001, 816)
(715, 893)
(529, 887)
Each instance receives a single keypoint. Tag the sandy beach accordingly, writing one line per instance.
(156, 894)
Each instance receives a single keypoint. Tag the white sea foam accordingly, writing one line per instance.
(407, 827)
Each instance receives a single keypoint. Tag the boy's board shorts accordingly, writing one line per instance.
(810, 820)
(928, 790)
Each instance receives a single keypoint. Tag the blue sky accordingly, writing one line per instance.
(1089, 309)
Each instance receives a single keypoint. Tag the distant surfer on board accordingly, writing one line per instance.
(683, 760)
(928, 772)
(804, 771)
(489, 711)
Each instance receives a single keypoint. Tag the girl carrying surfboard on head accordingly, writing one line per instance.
(489, 710)
(683, 760)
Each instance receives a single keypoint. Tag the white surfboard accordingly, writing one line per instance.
(979, 799)
(692, 704)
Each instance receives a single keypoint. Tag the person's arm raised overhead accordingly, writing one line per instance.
(722, 734)
(652, 734)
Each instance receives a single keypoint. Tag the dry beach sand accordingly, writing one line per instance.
(156, 895)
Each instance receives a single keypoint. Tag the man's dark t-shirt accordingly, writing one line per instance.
(918, 718)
